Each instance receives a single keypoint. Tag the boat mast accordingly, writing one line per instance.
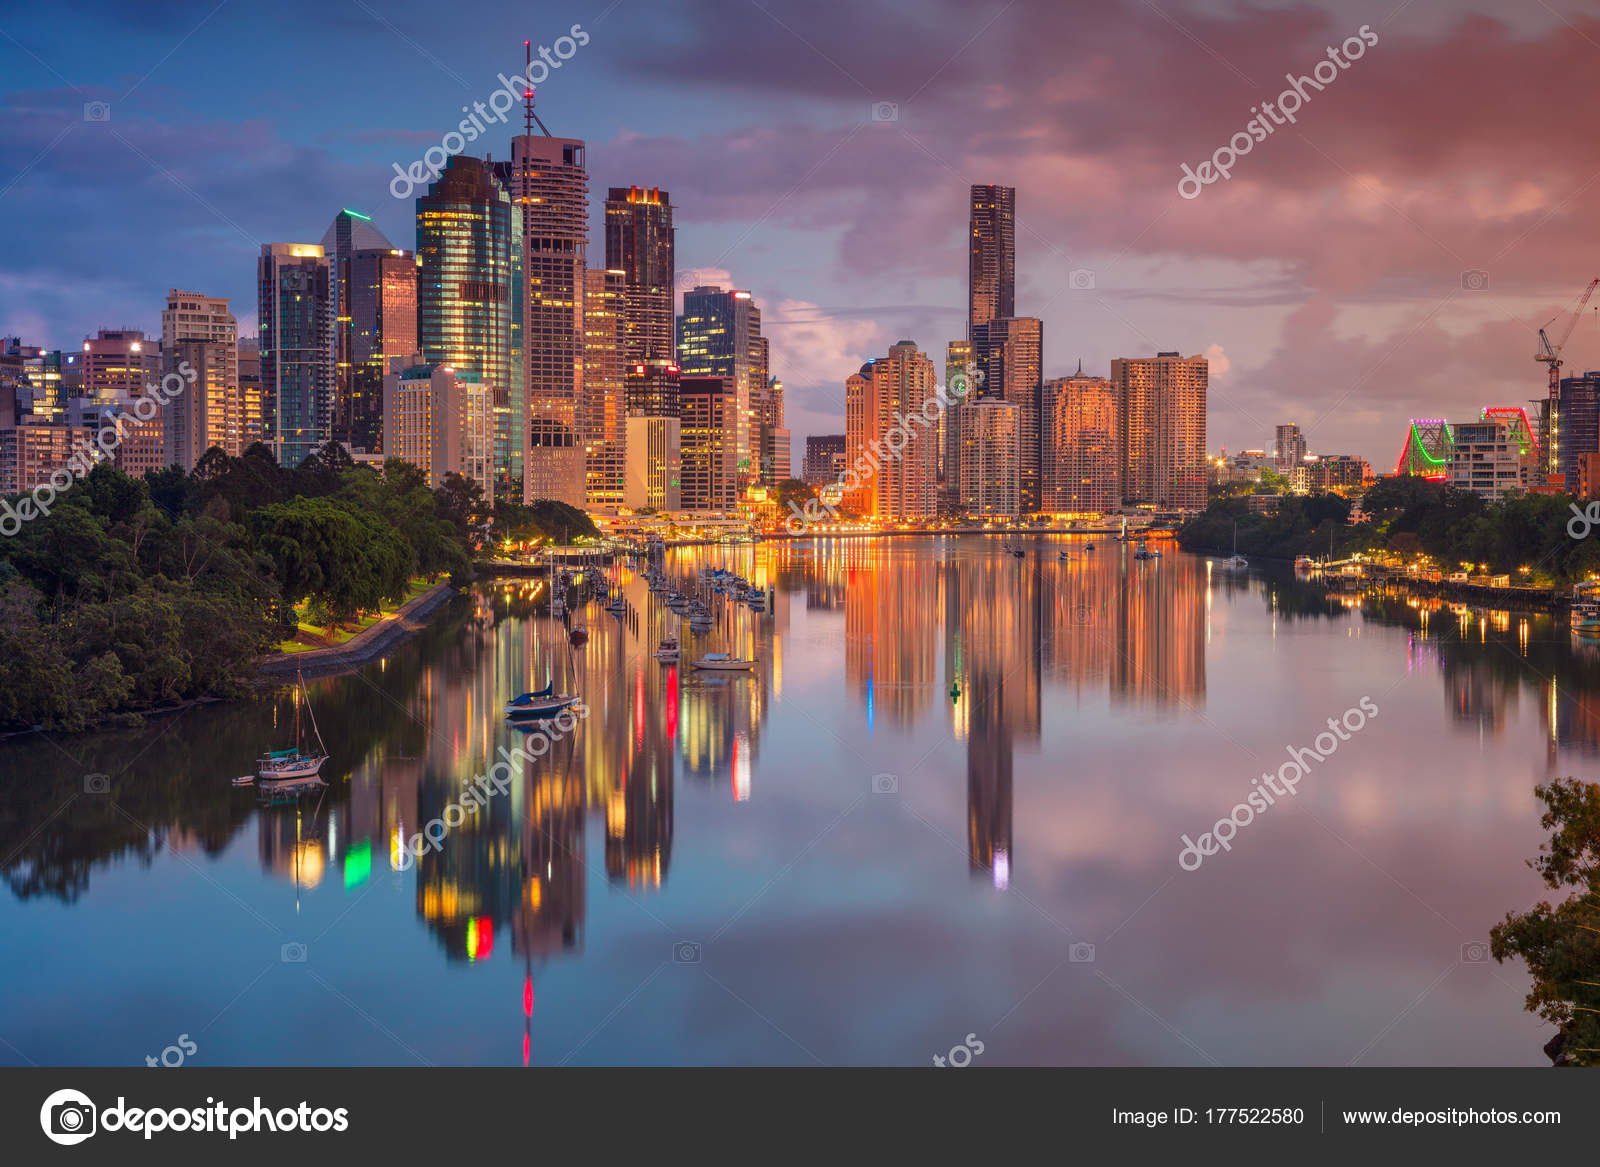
(306, 697)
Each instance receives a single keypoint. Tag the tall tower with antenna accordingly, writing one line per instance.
(548, 179)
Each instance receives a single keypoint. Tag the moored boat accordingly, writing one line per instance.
(722, 662)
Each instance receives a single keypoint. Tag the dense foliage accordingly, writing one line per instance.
(1410, 516)
(1560, 944)
(132, 594)
(1302, 525)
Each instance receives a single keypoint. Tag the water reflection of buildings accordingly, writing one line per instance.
(891, 603)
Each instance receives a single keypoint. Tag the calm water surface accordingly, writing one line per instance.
(831, 860)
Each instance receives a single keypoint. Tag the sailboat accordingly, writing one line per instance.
(539, 704)
(296, 761)
(1237, 560)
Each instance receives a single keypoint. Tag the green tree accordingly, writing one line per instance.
(1560, 944)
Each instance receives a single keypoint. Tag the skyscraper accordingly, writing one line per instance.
(1079, 448)
(294, 284)
(640, 244)
(960, 385)
(1009, 352)
(988, 435)
(719, 335)
(349, 232)
(209, 411)
(548, 180)
(1578, 429)
(1289, 447)
(705, 408)
(605, 430)
(1161, 418)
(889, 426)
(468, 240)
(654, 435)
(772, 437)
(991, 255)
(383, 327)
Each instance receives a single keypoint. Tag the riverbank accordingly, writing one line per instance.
(366, 646)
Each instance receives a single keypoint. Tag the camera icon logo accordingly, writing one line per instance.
(1081, 953)
(293, 953)
(1474, 952)
(885, 111)
(885, 784)
(686, 952)
(689, 279)
(97, 783)
(96, 111)
(68, 1117)
(1080, 279)
(1474, 280)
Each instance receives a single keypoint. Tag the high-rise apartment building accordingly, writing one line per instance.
(772, 437)
(719, 335)
(441, 420)
(889, 427)
(199, 334)
(118, 365)
(960, 382)
(469, 242)
(605, 429)
(548, 180)
(1288, 447)
(295, 298)
(640, 244)
(1577, 425)
(988, 434)
(1161, 422)
(250, 392)
(705, 410)
(991, 255)
(1009, 352)
(1079, 447)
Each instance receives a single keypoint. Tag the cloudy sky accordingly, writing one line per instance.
(819, 153)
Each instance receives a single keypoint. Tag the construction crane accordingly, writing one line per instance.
(1550, 354)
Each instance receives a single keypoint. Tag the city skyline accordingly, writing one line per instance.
(1276, 297)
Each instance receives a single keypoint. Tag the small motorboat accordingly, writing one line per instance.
(545, 702)
(245, 780)
(1143, 551)
(1065, 556)
(1088, 546)
(670, 651)
(578, 635)
(723, 663)
(1018, 553)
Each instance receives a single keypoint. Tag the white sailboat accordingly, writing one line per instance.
(296, 761)
(1237, 560)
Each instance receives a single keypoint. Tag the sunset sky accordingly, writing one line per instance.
(1324, 278)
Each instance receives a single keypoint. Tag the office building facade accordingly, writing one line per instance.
(294, 286)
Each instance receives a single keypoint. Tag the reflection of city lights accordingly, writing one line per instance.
(1002, 869)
